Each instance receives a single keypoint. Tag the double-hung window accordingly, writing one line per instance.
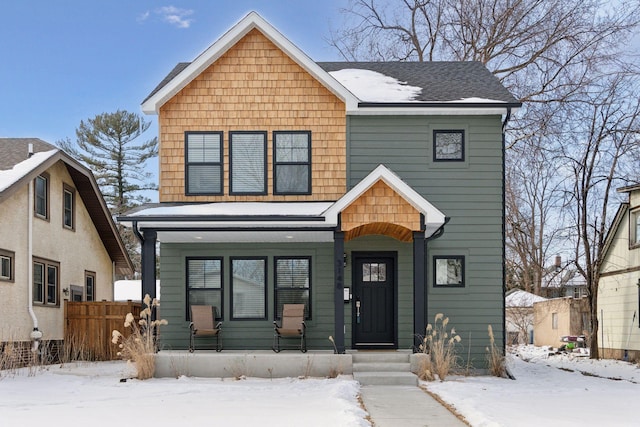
(203, 163)
(41, 196)
(68, 207)
(249, 288)
(248, 163)
(292, 162)
(6, 265)
(635, 228)
(204, 283)
(90, 285)
(46, 276)
(293, 283)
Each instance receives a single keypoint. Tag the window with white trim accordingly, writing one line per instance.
(248, 162)
(249, 288)
(90, 285)
(292, 162)
(292, 283)
(634, 218)
(203, 163)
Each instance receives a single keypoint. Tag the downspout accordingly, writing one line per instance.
(35, 335)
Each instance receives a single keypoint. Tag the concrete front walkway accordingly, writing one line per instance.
(405, 406)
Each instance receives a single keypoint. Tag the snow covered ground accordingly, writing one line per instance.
(557, 390)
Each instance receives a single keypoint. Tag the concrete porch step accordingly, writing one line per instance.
(381, 357)
(382, 367)
(386, 378)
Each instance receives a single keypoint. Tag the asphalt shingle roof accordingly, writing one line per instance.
(440, 81)
(16, 150)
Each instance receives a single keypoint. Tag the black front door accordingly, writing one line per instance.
(374, 305)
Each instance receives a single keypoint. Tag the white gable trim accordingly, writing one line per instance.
(434, 219)
(226, 42)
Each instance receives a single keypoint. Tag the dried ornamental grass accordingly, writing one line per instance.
(440, 346)
(495, 357)
(140, 346)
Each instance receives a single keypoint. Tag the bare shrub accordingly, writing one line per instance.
(440, 344)
(140, 346)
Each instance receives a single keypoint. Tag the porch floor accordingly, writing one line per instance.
(261, 363)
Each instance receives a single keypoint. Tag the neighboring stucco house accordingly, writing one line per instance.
(619, 286)
(519, 316)
(563, 281)
(57, 240)
(371, 192)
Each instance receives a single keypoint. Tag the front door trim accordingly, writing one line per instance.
(358, 255)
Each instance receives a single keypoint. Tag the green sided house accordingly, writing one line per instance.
(370, 192)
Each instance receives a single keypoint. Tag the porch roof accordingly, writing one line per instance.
(310, 221)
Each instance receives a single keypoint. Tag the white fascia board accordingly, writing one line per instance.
(228, 40)
(429, 111)
(249, 225)
(433, 217)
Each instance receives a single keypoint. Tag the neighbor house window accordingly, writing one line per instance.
(203, 161)
(635, 228)
(46, 282)
(554, 320)
(68, 207)
(248, 162)
(90, 285)
(448, 145)
(292, 162)
(204, 283)
(448, 271)
(41, 196)
(249, 288)
(292, 283)
(6, 265)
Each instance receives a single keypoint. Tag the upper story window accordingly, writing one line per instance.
(248, 162)
(41, 196)
(292, 162)
(635, 228)
(203, 163)
(68, 207)
(448, 145)
(6, 265)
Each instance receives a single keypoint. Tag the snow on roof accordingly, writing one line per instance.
(522, 298)
(11, 176)
(372, 86)
(239, 209)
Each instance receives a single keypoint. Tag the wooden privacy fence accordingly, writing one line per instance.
(88, 326)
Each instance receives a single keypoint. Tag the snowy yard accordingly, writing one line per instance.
(543, 394)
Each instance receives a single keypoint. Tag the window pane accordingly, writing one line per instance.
(90, 286)
(248, 163)
(38, 282)
(41, 196)
(52, 282)
(68, 208)
(292, 296)
(292, 273)
(209, 297)
(292, 178)
(449, 145)
(292, 147)
(449, 271)
(5, 267)
(637, 227)
(248, 284)
(204, 179)
(203, 148)
(204, 273)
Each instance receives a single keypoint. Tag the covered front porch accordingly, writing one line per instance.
(364, 256)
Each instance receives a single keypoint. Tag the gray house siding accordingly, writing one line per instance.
(470, 193)
(246, 334)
